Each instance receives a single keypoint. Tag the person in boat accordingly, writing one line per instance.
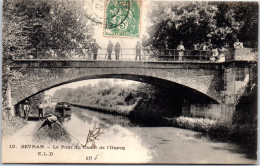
(50, 119)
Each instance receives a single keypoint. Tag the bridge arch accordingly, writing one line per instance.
(196, 78)
(182, 90)
(207, 81)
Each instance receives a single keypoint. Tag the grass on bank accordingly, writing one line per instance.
(10, 124)
(244, 135)
(214, 127)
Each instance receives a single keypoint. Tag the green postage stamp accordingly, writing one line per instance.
(122, 18)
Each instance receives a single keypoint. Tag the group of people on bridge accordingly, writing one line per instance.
(110, 48)
(201, 51)
(94, 49)
(207, 49)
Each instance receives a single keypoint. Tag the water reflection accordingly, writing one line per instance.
(104, 120)
(149, 144)
(116, 135)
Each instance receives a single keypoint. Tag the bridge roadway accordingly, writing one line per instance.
(199, 82)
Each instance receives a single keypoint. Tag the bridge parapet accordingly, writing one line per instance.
(129, 54)
(242, 54)
(40, 75)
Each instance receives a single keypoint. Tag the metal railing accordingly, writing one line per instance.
(187, 55)
(129, 54)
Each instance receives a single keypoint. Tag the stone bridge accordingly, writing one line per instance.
(201, 82)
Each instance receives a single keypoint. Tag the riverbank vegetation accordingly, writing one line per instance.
(144, 103)
(136, 100)
(103, 95)
(241, 130)
(245, 135)
(10, 124)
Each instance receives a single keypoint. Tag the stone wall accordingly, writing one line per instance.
(219, 82)
(42, 75)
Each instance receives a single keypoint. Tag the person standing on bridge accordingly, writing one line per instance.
(89, 52)
(110, 47)
(117, 50)
(95, 48)
(238, 44)
(138, 48)
(181, 49)
(209, 45)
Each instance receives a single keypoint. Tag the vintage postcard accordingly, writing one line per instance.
(129, 82)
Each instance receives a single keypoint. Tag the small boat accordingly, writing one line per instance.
(63, 108)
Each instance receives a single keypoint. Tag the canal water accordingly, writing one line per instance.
(126, 142)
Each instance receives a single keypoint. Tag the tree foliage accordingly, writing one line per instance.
(196, 22)
(44, 28)
(103, 94)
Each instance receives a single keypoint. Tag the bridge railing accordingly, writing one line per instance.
(187, 55)
(129, 54)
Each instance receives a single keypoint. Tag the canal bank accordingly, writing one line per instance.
(123, 112)
(146, 144)
(141, 143)
(127, 111)
(241, 134)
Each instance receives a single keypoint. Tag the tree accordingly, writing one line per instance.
(13, 39)
(44, 28)
(195, 22)
(41, 29)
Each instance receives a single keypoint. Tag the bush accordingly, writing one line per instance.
(197, 124)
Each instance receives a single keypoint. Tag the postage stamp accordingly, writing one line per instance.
(122, 18)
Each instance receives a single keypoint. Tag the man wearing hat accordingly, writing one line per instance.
(94, 48)
(109, 49)
(26, 109)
